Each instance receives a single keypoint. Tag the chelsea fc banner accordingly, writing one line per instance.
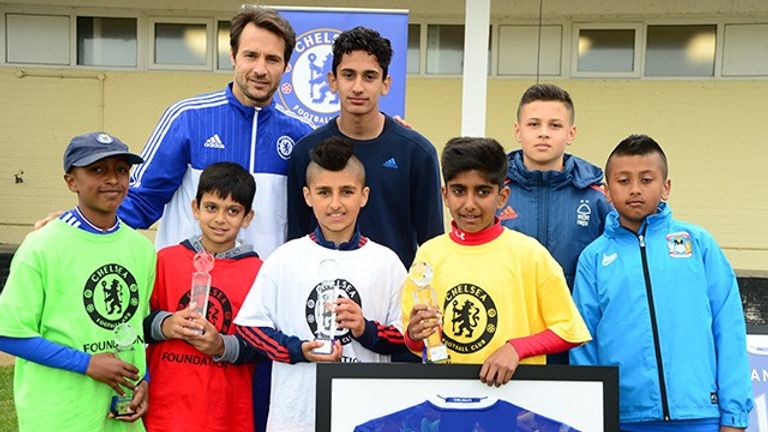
(304, 89)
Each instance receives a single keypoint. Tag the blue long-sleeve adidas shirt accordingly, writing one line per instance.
(404, 207)
(202, 130)
(564, 210)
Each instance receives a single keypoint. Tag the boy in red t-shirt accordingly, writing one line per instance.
(201, 372)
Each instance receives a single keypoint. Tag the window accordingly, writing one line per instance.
(606, 50)
(680, 50)
(180, 44)
(519, 48)
(445, 49)
(414, 51)
(106, 41)
(39, 39)
(745, 50)
(223, 61)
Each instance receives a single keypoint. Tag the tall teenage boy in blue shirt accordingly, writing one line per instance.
(662, 303)
(554, 197)
(404, 208)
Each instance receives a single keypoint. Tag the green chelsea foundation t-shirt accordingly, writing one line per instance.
(73, 288)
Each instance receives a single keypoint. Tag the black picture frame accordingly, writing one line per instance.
(330, 373)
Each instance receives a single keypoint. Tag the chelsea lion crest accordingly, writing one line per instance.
(305, 90)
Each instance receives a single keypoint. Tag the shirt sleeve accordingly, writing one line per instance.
(153, 183)
(426, 202)
(387, 337)
(556, 304)
(42, 351)
(603, 209)
(587, 303)
(406, 305)
(256, 320)
(23, 297)
(542, 343)
(729, 331)
(273, 343)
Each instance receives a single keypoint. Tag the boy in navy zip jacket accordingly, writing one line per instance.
(556, 198)
(661, 301)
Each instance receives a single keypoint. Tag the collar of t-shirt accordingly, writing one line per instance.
(77, 219)
(474, 239)
(356, 242)
(196, 244)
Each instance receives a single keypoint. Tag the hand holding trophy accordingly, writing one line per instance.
(424, 294)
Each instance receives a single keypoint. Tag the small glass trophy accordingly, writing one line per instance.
(328, 272)
(421, 275)
(125, 336)
(201, 283)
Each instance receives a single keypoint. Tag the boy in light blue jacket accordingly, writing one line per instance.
(661, 301)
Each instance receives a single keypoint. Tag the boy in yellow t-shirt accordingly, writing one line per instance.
(503, 298)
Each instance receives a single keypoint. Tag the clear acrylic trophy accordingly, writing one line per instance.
(421, 275)
(328, 272)
(125, 336)
(201, 283)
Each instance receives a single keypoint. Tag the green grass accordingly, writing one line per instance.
(7, 410)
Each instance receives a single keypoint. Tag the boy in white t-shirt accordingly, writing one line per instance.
(281, 313)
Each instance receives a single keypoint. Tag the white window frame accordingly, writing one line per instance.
(73, 15)
(564, 51)
(42, 13)
(639, 49)
(718, 60)
(210, 49)
(721, 52)
(216, 21)
(140, 60)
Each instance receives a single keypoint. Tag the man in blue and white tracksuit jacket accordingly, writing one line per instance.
(564, 210)
(663, 304)
(202, 130)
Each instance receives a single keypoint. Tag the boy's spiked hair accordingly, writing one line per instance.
(227, 179)
(546, 92)
(638, 145)
(486, 155)
(333, 154)
(363, 39)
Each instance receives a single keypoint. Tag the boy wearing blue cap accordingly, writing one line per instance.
(78, 291)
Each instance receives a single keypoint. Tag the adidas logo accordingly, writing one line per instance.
(508, 213)
(214, 142)
(390, 164)
(608, 259)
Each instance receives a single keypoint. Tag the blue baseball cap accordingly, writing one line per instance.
(86, 149)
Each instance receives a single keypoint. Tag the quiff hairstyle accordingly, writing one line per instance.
(546, 92)
(265, 18)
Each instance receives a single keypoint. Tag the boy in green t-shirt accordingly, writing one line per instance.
(77, 292)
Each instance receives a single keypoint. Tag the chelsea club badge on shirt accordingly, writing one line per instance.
(679, 245)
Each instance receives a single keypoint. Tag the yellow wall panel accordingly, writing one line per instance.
(712, 130)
